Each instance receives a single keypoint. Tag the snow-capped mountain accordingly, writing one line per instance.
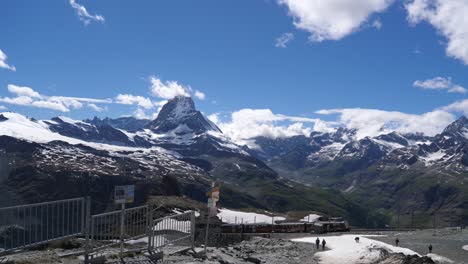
(395, 172)
(180, 116)
(341, 146)
(179, 153)
(184, 150)
(125, 123)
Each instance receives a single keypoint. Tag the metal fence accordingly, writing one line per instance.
(30, 225)
(176, 230)
(107, 229)
(35, 224)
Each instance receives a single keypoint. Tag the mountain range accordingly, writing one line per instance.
(181, 153)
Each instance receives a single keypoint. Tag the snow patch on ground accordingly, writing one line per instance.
(390, 145)
(327, 152)
(439, 258)
(343, 249)
(430, 158)
(69, 120)
(465, 247)
(231, 217)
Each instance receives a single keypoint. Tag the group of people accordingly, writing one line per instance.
(317, 243)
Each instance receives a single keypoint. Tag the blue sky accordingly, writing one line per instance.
(228, 51)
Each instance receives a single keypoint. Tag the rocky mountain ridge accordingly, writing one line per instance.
(185, 150)
(179, 153)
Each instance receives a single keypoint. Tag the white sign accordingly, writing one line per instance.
(211, 203)
(124, 194)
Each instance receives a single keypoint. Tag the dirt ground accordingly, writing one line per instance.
(257, 250)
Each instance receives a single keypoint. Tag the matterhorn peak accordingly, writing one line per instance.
(180, 113)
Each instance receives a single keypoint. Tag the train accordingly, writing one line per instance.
(319, 227)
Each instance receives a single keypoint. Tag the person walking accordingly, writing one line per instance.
(323, 244)
(430, 248)
(317, 243)
(397, 241)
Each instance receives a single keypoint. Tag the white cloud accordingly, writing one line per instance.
(53, 105)
(214, 118)
(449, 18)
(458, 106)
(83, 14)
(27, 96)
(140, 114)
(20, 100)
(199, 95)
(434, 83)
(283, 40)
(170, 89)
(324, 126)
(23, 90)
(2, 107)
(440, 83)
(167, 89)
(129, 99)
(3, 64)
(457, 89)
(373, 122)
(333, 19)
(246, 124)
(96, 108)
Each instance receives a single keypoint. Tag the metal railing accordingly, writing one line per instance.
(31, 225)
(107, 229)
(175, 230)
(25, 226)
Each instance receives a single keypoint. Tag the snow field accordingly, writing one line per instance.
(344, 249)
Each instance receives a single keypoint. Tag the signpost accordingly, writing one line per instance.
(123, 194)
(212, 200)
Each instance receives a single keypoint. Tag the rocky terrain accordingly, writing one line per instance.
(256, 250)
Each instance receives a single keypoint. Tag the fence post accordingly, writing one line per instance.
(149, 227)
(192, 228)
(87, 219)
(207, 228)
(122, 230)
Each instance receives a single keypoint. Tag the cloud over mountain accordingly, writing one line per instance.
(26, 96)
